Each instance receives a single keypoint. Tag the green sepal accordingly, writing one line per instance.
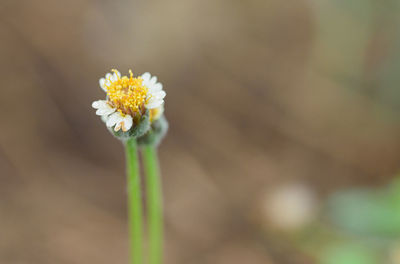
(156, 133)
(142, 127)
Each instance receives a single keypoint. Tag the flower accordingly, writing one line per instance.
(128, 99)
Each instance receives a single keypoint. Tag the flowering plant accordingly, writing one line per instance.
(133, 111)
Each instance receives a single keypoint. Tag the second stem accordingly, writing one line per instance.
(154, 204)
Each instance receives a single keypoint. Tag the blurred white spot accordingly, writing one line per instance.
(289, 207)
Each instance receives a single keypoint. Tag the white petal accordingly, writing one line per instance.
(156, 94)
(114, 119)
(146, 76)
(102, 82)
(160, 94)
(155, 98)
(96, 104)
(105, 111)
(103, 108)
(117, 74)
(108, 76)
(128, 121)
(100, 104)
(156, 88)
(154, 104)
(153, 80)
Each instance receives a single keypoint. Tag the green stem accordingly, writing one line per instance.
(154, 204)
(134, 203)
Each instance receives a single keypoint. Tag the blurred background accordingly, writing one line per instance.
(284, 138)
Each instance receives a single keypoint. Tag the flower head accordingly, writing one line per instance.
(128, 100)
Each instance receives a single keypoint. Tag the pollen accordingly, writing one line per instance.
(127, 94)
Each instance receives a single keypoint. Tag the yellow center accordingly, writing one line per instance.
(128, 95)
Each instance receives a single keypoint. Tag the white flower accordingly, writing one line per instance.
(129, 97)
(155, 95)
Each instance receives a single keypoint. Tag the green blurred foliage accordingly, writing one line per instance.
(348, 253)
(367, 211)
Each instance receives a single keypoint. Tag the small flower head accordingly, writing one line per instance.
(129, 100)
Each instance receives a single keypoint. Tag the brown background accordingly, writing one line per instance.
(259, 94)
